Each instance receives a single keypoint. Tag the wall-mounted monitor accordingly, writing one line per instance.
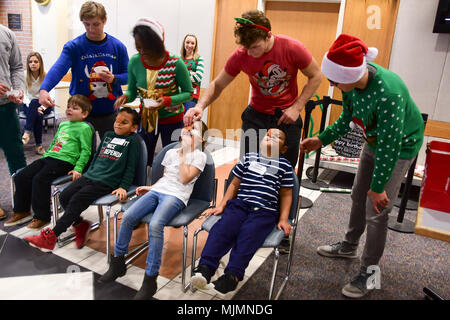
(442, 21)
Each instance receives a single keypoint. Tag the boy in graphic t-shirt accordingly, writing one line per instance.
(111, 171)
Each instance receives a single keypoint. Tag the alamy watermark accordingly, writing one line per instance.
(374, 19)
(374, 280)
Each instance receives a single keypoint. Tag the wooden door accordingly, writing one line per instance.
(313, 24)
(373, 21)
(225, 112)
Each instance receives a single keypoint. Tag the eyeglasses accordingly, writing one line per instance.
(333, 83)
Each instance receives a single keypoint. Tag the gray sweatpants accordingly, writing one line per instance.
(362, 213)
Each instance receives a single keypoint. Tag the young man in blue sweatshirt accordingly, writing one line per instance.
(98, 64)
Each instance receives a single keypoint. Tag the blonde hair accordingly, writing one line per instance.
(92, 9)
(42, 72)
(183, 49)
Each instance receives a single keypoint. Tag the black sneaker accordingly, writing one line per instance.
(359, 286)
(201, 277)
(285, 246)
(338, 250)
(226, 283)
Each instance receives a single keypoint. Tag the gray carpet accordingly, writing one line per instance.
(410, 261)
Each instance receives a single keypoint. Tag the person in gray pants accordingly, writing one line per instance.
(12, 87)
(378, 101)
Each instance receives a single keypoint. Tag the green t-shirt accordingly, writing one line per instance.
(72, 143)
(115, 161)
(391, 121)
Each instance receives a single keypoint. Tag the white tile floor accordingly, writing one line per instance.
(168, 289)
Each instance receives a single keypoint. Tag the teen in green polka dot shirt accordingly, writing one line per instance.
(378, 101)
(390, 120)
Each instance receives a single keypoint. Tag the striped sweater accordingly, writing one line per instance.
(170, 80)
(261, 180)
(197, 67)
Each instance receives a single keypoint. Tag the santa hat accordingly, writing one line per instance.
(152, 24)
(346, 61)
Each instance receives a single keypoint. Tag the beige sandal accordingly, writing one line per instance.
(25, 138)
(40, 150)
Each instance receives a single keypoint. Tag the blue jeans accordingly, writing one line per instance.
(34, 122)
(164, 208)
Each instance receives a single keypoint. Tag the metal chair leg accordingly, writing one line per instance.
(194, 254)
(108, 232)
(184, 288)
(13, 188)
(116, 214)
(274, 271)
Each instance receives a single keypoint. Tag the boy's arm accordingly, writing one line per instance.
(231, 193)
(285, 207)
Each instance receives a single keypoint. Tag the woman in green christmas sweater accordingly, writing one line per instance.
(162, 82)
(378, 101)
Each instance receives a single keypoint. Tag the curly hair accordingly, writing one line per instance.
(245, 34)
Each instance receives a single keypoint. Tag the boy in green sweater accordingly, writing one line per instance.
(111, 172)
(378, 101)
(68, 154)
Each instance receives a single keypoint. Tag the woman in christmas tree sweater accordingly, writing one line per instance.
(378, 101)
(162, 82)
(194, 63)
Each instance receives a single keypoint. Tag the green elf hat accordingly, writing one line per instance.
(248, 23)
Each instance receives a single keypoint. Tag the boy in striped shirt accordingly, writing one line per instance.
(258, 198)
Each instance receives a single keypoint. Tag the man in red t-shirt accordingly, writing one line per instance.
(271, 63)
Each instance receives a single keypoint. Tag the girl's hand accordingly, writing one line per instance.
(172, 108)
(75, 174)
(41, 109)
(120, 193)
(142, 190)
(120, 101)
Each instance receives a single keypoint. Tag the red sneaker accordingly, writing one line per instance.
(81, 233)
(45, 241)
